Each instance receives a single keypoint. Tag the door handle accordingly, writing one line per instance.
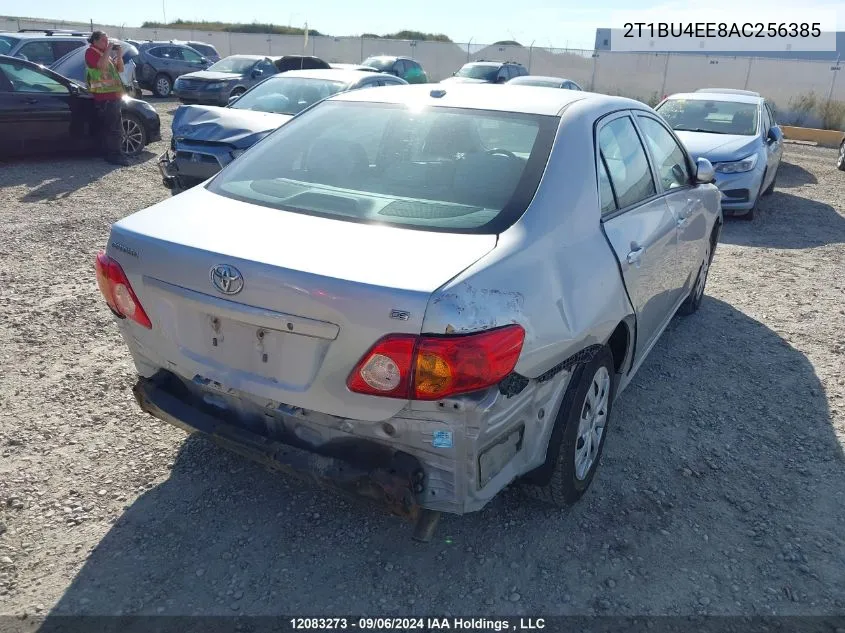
(636, 255)
(30, 100)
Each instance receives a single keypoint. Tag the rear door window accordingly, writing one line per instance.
(60, 49)
(627, 163)
(39, 52)
(670, 161)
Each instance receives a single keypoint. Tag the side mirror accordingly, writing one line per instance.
(73, 89)
(704, 172)
(500, 80)
(257, 72)
(234, 98)
(774, 134)
(203, 60)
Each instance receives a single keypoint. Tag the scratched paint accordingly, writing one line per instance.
(480, 308)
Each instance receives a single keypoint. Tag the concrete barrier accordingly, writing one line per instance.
(825, 138)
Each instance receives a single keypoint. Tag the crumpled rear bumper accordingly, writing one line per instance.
(391, 481)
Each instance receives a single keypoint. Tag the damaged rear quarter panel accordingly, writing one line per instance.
(552, 272)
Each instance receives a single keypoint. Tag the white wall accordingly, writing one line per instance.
(643, 76)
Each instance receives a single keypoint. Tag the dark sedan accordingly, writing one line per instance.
(44, 112)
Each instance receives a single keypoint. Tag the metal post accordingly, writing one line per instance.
(469, 47)
(530, 54)
(748, 73)
(593, 78)
(362, 49)
(835, 70)
(665, 74)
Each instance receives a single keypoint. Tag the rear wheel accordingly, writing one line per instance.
(162, 86)
(237, 92)
(840, 162)
(577, 440)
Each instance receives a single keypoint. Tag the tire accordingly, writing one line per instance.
(564, 478)
(162, 85)
(134, 138)
(696, 295)
(840, 161)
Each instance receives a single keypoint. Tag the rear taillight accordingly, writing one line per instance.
(434, 367)
(118, 292)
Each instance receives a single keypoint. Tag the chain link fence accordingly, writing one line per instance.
(800, 89)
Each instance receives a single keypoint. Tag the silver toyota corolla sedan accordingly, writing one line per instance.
(419, 295)
(737, 132)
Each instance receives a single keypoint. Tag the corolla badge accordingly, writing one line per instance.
(227, 279)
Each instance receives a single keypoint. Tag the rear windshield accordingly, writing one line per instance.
(234, 64)
(202, 49)
(379, 63)
(287, 95)
(488, 73)
(7, 44)
(715, 117)
(529, 81)
(436, 168)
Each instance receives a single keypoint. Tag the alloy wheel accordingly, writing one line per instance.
(133, 137)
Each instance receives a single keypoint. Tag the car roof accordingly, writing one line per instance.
(76, 35)
(504, 98)
(542, 78)
(729, 91)
(720, 96)
(358, 67)
(334, 74)
(247, 56)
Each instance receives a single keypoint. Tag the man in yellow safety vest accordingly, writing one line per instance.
(104, 63)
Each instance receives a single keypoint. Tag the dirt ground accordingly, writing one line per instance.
(721, 491)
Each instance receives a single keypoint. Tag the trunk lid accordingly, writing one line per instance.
(316, 294)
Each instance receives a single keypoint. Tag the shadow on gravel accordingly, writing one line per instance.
(720, 491)
(791, 175)
(52, 178)
(787, 221)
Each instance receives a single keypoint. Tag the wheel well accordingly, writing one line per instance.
(714, 237)
(619, 344)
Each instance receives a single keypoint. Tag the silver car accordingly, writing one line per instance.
(737, 132)
(548, 82)
(419, 294)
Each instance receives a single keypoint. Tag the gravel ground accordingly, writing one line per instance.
(722, 488)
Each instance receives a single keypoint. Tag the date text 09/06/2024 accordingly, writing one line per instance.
(722, 29)
(409, 624)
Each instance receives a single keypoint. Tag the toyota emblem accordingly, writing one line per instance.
(227, 279)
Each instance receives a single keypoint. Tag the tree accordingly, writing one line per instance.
(507, 43)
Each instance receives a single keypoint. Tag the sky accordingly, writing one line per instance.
(544, 22)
